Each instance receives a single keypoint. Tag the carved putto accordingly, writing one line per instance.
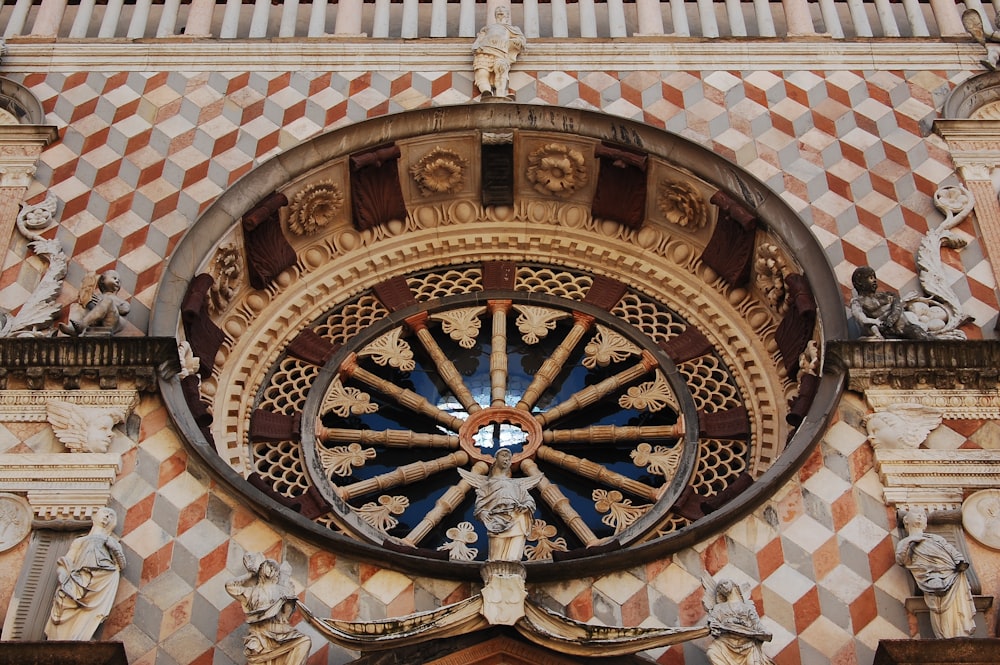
(938, 313)
(81, 428)
(557, 170)
(681, 204)
(902, 425)
(314, 207)
(98, 309)
(440, 171)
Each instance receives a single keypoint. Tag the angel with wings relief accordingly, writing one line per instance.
(83, 429)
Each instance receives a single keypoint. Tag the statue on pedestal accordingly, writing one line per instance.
(88, 581)
(268, 599)
(496, 48)
(880, 313)
(939, 570)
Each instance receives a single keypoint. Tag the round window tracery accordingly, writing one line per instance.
(350, 410)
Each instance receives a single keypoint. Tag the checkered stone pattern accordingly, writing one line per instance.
(142, 154)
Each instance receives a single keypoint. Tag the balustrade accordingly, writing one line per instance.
(408, 19)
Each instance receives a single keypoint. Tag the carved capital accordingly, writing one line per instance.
(16, 175)
(975, 170)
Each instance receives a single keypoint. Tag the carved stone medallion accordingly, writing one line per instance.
(981, 517)
(15, 520)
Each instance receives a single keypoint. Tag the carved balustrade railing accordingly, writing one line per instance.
(407, 19)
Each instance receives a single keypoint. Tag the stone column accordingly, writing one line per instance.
(20, 146)
(50, 14)
(199, 19)
(798, 18)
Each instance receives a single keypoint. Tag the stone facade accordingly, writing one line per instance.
(142, 153)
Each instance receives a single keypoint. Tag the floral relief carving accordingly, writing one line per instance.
(440, 171)
(607, 347)
(621, 514)
(227, 269)
(556, 169)
(462, 325)
(660, 459)
(314, 206)
(345, 401)
(380, 515)
(342, 459)
(652, 395)
(461, 535)
(681, 204)
(390, 350)
(770, 269)
(534, 323)
(542, 535)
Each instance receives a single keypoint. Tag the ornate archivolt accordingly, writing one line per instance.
(439, 250)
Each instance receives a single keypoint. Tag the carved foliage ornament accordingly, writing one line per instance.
(652, 395)
(607, 347)
(314, 207)
(543, 535)
(227, 270)
(534, 323)
(681, 204)
(380, 515)
(345, 401)
(462, 325)
(341, 460)
(460, 537)
(769, 272)
(621, 514)
(390, 350)
(440, 171)
(557, 170)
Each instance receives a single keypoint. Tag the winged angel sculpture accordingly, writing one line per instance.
(41, 309)
(83, 429)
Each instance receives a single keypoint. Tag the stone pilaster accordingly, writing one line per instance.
(20, 146)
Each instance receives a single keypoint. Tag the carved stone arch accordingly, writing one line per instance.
(284, 349)
(18, 105)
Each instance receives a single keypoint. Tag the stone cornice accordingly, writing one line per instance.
(60, 485)
(28, 135)
(938, 469)
(911, 365)
(31, 405)
(665, 53)
(104, 360)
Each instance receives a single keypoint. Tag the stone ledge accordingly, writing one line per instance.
(74, 360)
(958, 651)
(909, 365)
(62, 653)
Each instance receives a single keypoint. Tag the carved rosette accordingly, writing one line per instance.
(440, 171)
(681, 204)
(557, 170)
(315, 206)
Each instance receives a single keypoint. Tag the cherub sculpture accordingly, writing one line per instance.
(504, 505)
(100, 308)
(268, 599)
(902, 425)
(83, 429)
(496, 48)
(88, 581)
(734, 623)
(939, 571)
(880, 313)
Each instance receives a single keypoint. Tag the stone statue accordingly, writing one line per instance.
(734, 623)
(101, 308)
(880, 313)
(939, 570)
(496, 48)
(268, 599)
(504, 505)
(83, 429)
(88, 581)
(902, 426)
